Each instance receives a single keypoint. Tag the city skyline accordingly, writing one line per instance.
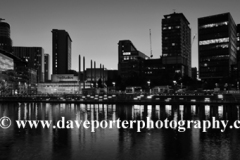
(96, 27)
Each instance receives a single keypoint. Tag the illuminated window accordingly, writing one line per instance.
(211, 41)
(173, 44)
(177, 71)
(222, 46)
(169, 27)
(127, 53)
(214, 25)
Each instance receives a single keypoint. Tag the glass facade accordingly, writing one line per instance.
(6, 63)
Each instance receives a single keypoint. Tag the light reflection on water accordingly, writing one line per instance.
(114, 143)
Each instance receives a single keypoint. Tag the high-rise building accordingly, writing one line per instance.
(176, 44)
(61, 52)
(46, 67)
(34, 57)
(5, 40)
(216, 46)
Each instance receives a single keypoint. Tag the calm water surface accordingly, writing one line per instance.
(114, 143)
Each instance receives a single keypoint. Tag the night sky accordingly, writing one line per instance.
(96, 26)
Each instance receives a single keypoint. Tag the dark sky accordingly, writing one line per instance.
(96, 26)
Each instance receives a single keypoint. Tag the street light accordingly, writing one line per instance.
(29, 89)
(113, 85)
(174, 82)
(148, 83)
(149, 86)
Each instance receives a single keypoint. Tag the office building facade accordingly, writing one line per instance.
(61, 52)
(176, 43)
(217, 47)
(34, 57)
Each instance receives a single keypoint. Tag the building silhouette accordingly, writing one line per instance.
(130, 62)
(5, 40)
(217, 47)
(34, 57)
(176, 44)
(61, 52)
(46, 67)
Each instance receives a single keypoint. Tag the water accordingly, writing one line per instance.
(113, 143)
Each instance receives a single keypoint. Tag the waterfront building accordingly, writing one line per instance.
(130, 62)
(34, 56)
(61, 52)
(93, 75)
(62, 84)
(176, 44)
(14, 73)
(5, 39)
(238, 51)
(46, 67)
(156, 73)
(107, 77)
(217, 47)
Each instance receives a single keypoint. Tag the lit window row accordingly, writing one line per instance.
(212, 41)
(222, 46)
(148, 72)
(129, 57)
(219, 57)
(126, 53)
(171, 27)
(214, 25)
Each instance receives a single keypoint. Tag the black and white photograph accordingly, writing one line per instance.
(119, 80)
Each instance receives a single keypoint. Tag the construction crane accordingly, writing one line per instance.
(150, 36)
